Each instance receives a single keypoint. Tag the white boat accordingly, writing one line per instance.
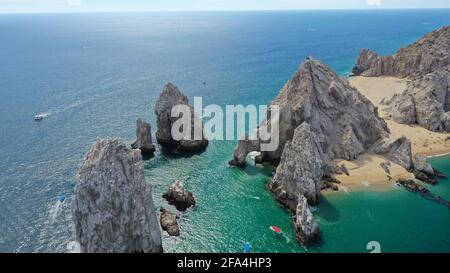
(39, 117)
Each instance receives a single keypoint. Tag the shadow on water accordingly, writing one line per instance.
(328, 211)
(173, 153)
(147, 157)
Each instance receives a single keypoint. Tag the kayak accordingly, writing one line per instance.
(277, 230)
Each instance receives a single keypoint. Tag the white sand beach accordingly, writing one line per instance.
(366, 172)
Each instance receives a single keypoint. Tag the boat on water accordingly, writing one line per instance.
(39, 117)
(276, 230)
(61, 198)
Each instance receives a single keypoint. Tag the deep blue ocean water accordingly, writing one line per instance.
(94, 74)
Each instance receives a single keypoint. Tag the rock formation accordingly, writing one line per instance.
(429, 54)
(302, 167)
(169, 98)
(425, 102)
(397, 150)
(169, 222)
(426, 63)
(305, 227)
(347, 122)
(414, 187)
(113, 209)
(143, 138)
(179, 197)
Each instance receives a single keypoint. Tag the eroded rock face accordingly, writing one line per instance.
(421, 164)
(397, 150)
(370, 64)
(143, 138)
(426, 102)
(113, 209)
(429, 54)
(306, 228)
(179, 197)
(169, 222)
(302, 167)
(347, 121)
(170, 97)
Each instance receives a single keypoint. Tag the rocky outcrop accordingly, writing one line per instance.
(397, 150)
(370, 64)
(426, 63)
(426, 102)
(415, 187)
(169, 98)
(169, 222)
(347, 122)
(302, 167)
(429, 54)
(113, 209)
(179, 197)
(143, 138)
(424, 171)
(305, 227)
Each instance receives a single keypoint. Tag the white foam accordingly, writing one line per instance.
(73, 247)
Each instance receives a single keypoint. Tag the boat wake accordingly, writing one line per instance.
(54, 211)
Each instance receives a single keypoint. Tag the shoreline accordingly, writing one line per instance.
(366, 174)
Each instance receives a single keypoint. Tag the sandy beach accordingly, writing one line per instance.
(366, 172)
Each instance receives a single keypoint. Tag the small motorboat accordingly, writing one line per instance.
(39, 117)
(61, 198)
(277, 230)
(247, 248)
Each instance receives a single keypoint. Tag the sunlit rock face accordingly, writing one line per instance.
(301, 169)
(144, 138)
(429, 54)
(426, 102)
(347, 122)
(426, 63)
(113, 209)
(168, 99)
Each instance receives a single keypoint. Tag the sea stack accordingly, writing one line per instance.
(305, 227)
(168, 99)
(144, 138)
(179, 197)
(169, 222)
(113, 209)
(426, 64)
(302, 167)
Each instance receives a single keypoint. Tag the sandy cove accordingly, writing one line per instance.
(366, 172)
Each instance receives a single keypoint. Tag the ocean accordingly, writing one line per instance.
(94, 74)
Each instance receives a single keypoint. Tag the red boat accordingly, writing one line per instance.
(277, 230)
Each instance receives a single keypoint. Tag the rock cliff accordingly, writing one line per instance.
(113, 209)
(301, 169)
(305, 227)
(426, 63)
(143, 138)
(169, 98)
(426, 102)
(347, 122)
(429, 54)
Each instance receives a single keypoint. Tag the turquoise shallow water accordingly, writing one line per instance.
(94, 74)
